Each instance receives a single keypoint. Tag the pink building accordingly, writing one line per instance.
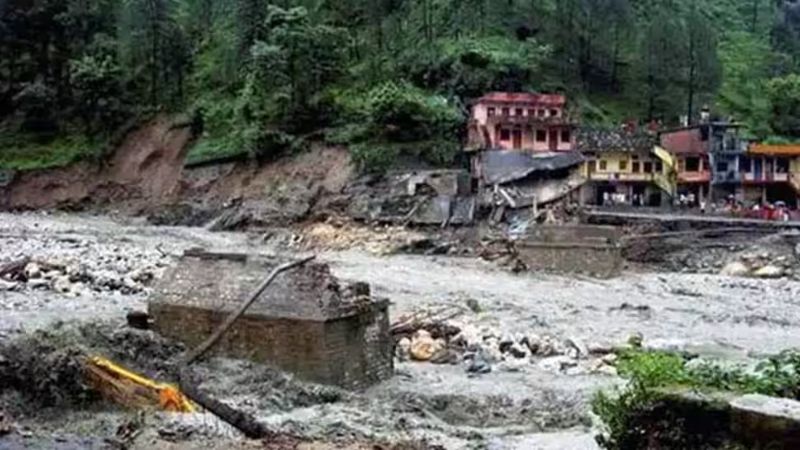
(522, 121)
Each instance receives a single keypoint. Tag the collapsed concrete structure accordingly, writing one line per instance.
(420, 197)
(307, 322)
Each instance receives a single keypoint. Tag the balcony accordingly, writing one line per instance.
(729, 176)
(749, 177)
(731, 147)
(530, 120)
(703, 176)
(621, 177)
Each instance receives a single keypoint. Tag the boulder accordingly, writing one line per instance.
(423, 346)
(769, 271)
(402, 350)
(33, 270)
(62, 285)
(735, 269)
(557, 364)
(576, 348)
(8, 285)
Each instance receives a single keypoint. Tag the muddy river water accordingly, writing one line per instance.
(528, 407)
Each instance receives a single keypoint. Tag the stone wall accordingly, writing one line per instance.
(590, 250)
(307, 322)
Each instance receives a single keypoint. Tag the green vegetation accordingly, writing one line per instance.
(25, 152)
(390, 78)
(652, 374)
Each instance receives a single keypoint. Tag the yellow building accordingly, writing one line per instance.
(624, 169)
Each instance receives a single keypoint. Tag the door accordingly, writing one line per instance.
(516, 137)
(553, 140)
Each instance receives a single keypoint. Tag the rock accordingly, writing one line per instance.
(769, 271)
(479, 364)
(8, 285)
(131, 286)
(491, 350)
(445, 356)
(597, 348)
(402, 350)
(556, 364)
(577, 346)
(474, 306)
(469, 338)
(512, 365)
(38, 283)
(534, 343)
(518, 351)
(735, 269)
(51, 275)
(62, 284)
(576, 371)
(423, 346)
(33, 270)
(610, 359)
(608, 370)
(635, 339)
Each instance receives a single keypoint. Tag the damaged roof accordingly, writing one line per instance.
(504, 166)
(598, 140)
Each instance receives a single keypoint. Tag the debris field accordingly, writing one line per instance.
(484, 357)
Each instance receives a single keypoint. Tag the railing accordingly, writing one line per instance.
(530, 120)
(702, 176)
(729, 176)
(616, 176)
(768, 177)
(732, 147)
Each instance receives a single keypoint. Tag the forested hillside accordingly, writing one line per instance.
(387, 77)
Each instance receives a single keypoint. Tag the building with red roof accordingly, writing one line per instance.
(521, 121)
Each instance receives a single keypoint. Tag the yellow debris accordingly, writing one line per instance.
(133, 390)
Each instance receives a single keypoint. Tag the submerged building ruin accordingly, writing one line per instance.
(307, 322)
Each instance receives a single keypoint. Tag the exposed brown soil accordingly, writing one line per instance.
(146, 175)
(144, 170)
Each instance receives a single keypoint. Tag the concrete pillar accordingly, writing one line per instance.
(763, 194)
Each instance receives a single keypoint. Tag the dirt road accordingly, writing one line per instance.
(521, 407)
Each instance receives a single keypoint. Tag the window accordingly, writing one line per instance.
(518, 112)
(746, 165)
(553, 112)
(623, 165)
(531, 113)
(722, 166)
(692, 164)
(636, 167)
(565, 136)
(541, 113)
(593, 166)
(491, 112)
(659, 167)
(505, 134)
(505, 112)
(541, 136)
(603, 165)
(781, 165)
(648, 167)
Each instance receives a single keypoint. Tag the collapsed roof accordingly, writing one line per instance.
(505, 166)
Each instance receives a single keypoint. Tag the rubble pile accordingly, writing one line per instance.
(771, 256)
(77, 266)
(342, 235)
(481, 351)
